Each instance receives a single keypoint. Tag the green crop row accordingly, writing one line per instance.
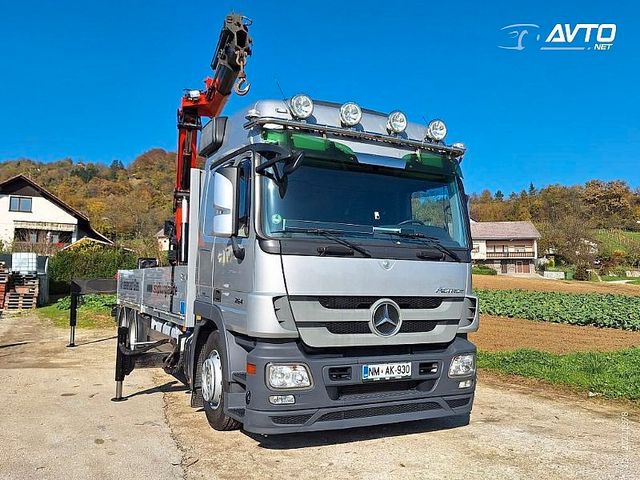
(598, 309)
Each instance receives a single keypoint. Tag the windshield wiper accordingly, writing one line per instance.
(430, 241)
(330, 234)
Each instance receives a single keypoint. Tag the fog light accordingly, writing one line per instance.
(465, 384)
(436, 130)
(282, 399)
(294, 375)
(462, 365)
(397, 122)
(301, 106)
(350, 114)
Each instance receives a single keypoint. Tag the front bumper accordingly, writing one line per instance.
(340, 399)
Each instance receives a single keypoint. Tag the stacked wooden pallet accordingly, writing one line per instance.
(21, 292)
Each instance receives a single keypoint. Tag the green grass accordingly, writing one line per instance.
(94, 312)
(613, 278)
(481, 270)
(617, 239)
(634, 282)
(611, 374)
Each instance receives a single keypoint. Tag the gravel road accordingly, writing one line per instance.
(57, 422)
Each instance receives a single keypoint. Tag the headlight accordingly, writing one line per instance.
(397, 122)
(288, 376)
(301, 106)
(462, 365)
(436, 130)
(350, 114)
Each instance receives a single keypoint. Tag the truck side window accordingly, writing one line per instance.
(244, 198)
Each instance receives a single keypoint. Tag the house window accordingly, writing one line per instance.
(476, 247)
(20, 204)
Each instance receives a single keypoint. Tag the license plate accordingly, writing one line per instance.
(386, 371)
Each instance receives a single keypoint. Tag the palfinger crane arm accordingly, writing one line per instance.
(234, 46)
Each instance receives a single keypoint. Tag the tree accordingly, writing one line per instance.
(499, 195)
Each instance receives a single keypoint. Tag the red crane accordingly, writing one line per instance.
(229, 59)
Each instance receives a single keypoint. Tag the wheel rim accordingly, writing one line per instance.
(212, 379)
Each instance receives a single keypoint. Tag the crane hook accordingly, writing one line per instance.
(242, 86)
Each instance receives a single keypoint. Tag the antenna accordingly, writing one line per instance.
(284, 97)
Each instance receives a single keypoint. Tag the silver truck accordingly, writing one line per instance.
(328, 280)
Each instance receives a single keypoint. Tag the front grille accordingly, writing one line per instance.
(291, 419)
(378, 411)
(458, 402)
(417, 326)
(376, 390)
(350, 328)
(346, 328)
(363, 303)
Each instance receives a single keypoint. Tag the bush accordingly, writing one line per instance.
(618, 271)
(91, 302)
(483, 270)
(581, 273)
(87, 261)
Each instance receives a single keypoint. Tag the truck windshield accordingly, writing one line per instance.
(356, 199)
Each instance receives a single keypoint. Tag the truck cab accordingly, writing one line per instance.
(330, 271)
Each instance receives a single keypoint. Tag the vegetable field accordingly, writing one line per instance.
(597, 309)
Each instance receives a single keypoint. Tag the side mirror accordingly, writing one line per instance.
(224, 202)
(212, 136)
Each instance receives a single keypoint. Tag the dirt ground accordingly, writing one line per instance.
(57, 422)
(499, 333)
(500, 282)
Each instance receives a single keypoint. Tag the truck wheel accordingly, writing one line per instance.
(211, 362)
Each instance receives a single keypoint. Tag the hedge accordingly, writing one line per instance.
(87, 261)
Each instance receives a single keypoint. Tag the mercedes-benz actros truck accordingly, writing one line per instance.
(320, 274)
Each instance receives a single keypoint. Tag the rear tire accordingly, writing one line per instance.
(211, 363)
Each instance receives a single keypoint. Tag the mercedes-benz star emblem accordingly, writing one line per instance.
(385, 318)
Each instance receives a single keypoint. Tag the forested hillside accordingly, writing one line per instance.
(128, 204)
(572, 219)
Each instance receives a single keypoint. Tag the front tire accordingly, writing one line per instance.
(212, 369)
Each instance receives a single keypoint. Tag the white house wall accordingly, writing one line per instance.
(42, 210)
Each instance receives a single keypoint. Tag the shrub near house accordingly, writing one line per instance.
(89, 260)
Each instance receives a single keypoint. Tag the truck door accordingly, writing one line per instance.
(204, 270)
(233, 273)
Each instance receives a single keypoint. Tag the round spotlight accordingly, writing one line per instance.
(397, 122)
(436, 130)
(301, 106)
(350, 114)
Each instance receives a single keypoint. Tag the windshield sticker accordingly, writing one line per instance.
(276, 219)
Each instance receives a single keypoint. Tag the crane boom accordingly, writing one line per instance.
(229, 59)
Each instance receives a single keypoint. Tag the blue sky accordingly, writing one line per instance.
(98, 81)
